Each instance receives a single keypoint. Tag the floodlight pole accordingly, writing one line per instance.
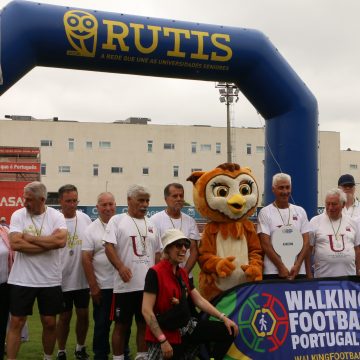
(228, 133)
(228, 93)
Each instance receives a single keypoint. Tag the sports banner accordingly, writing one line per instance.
(302, 320)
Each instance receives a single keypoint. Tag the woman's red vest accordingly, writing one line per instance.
(168, 287)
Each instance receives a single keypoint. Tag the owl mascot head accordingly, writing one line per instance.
(230, 252)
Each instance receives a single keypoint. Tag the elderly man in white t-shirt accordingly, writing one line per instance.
(100, 274)
(37, 233)
(335, 239)
(278, 214)
(132, 247)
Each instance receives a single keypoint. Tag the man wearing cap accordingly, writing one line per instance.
(346, 183)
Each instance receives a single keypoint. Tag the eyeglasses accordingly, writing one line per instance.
(180, 243)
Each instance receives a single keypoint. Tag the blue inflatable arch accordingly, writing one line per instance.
(34, 34)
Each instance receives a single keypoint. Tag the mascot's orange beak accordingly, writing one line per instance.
(236, 203)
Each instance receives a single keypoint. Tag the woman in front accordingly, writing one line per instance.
(172, 333)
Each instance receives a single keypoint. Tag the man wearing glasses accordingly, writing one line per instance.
(346, 183)
(74, 285)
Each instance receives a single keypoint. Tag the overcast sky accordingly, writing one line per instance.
(319, 38)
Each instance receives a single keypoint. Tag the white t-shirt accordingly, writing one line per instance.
(185, 223)
(37, 270)
(93, 241)
(136, 246)
(269, 220)
(73, 276)
(353, 211)
(334, 256)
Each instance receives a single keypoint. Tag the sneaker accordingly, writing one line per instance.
(82, 354)
(141, 356)
(61, 355)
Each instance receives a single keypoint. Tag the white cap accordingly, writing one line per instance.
(2, 218)
(172, 235)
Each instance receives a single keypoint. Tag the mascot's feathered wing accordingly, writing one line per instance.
(230, 251)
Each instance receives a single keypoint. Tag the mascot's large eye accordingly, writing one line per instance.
(245, 189)
(220, 190)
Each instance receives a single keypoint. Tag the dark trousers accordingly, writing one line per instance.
(213, 333)
(4, 315)
(102, 324)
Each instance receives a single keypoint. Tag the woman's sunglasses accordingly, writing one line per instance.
(180, 243)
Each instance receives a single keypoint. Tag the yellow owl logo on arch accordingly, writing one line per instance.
(81, 30)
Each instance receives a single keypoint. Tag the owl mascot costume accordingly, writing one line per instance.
(230, 252)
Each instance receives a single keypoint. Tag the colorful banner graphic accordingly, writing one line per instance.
(302, 320)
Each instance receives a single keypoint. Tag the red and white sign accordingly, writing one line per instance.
(18, 151)
(21, 167)
(11, 197)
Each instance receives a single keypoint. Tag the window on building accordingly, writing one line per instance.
(176, 171)
(196, 169)
(353, 166)
(45, 142)
(64, 169)
(248, 149)
(89, 145)
(95, 169)
(71, 144)
(52, 198)
(218, 148)
(105, 144)
(116, 170)
(193, 147)
(260, 149)
(169, 146)
(145, 171)
(43, 169)
(205, 147)
(150, 146)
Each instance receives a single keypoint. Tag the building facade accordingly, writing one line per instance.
(100, 157)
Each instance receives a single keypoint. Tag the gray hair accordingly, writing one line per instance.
(280, 176)
(135, 190)
(105, 193)
(337, 192)
(37, 188)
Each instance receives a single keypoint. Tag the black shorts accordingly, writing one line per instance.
(22, 300)
(126, 305)
(79, 298)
